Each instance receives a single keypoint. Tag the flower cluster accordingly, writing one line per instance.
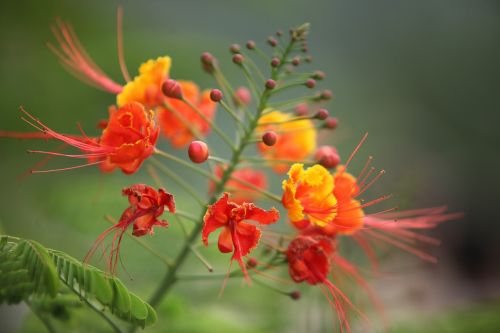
(320, 198)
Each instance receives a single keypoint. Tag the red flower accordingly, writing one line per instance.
(240, 192)
(236, 236)
(146, 206)
(310, 258)
(128, 139)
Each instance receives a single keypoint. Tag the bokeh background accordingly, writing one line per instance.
(422, 77)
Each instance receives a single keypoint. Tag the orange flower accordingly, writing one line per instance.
(240, 192)
(127, 140)
(132, 132)
(146, 205)
(296, 139)
(146, 87)
(236, 236)
(308, 194)
(179, 122)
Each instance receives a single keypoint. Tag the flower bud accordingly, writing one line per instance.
(318, 75)
(296, 61)
(208, 62)
(311, 83)
(198, 151)
(270, 84)
(279, 33)
(326, 94)
(269, 138)
(250, 45)
(275, 62)
(322, 114)
(309, 59)
(295, 295)
(331, 123)
(272, 41)
(172, 89)
(207, 58)
(238, 59)
(215, 95)
(252, 262)
(327, 156)
(301, 109)
(242, 96)
(235, 48)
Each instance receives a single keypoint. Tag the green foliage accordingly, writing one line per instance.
(27, 268)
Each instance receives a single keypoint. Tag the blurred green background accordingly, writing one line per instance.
(421, 77)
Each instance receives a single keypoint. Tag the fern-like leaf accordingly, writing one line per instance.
(27, 268)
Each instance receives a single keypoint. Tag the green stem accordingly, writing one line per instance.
(187, 164)
(214, 126)
(171, 276)
(179, 181)
(45, 321)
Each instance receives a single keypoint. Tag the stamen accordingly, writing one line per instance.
(68, 168)
(119, 40)
(355, 151)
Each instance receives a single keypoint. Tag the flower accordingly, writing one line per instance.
(179, 121)
(308, 195)
(311, 257)
(146, 206)
(146, 87)
(244, 184)
(236, 236)
(296, 138)
(128, 139)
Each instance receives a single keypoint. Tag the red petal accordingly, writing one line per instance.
(225, 241)
(215, 217)
(248, 237)
(260, 215)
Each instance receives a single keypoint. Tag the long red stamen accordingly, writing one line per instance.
(66, 169)
(354, 152)
(75, 58)
(119, 41)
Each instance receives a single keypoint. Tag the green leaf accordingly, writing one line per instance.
(27, 268)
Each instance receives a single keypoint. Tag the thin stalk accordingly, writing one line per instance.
(187, 164)
(179, 181)
(171, 276)
(164, 258)
(268, 160)
(251, 82)
(100, 312)
(255, 68)
(214, 126)
(270, 195)
(196, 133)
(45, 321)
(237, 119)
(201, 258)
(288, 86)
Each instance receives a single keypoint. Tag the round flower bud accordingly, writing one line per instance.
(310, 83)
(234, 48)
(327, 156)
(242, 96)
(322, 114)
(250, 45)
(275, 62)
(326, 94)
(238, 59)
(215, 95)
(318, 75)
(295, 295)
(309, 59)
(331, 123)
(172, 89)
(301, 109)
(296, 61)
(279, 33)
(207, 58)
(272, 41)
(252, 262)
(270, 84)
(269, 138)
(198, 151)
